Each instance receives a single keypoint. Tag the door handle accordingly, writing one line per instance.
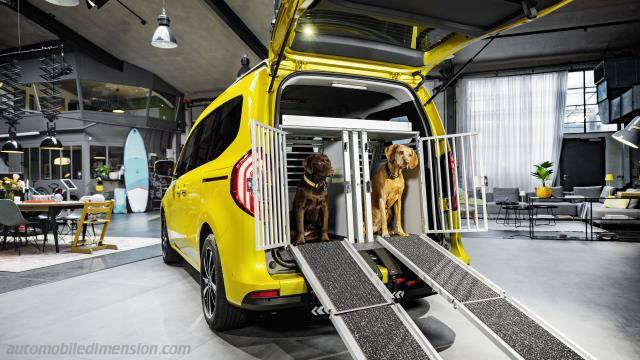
(183, 191)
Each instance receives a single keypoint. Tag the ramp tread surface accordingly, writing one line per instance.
(381, 335)
(521, 332)
(340, 276)
(453, 277)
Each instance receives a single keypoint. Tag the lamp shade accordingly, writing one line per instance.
(12, 147)
(61, 161)
(609, 177)
(164, 37)
(629, 135)
(64, 2)
(51, 143)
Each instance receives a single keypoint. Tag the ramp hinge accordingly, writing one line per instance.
(368, 186)
(366, 146)
(346, 146)
(347, 186)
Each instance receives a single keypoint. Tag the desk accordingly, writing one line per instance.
(52, 209)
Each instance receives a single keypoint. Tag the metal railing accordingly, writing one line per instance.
(269, 185)
(454, 184)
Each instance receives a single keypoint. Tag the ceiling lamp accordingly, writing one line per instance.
(12, 146)
(164, 37)
(61, 161)
(95, 3)
(51, 142)
(629, 135)
(64, 2)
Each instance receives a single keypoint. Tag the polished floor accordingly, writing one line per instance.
(588, 290)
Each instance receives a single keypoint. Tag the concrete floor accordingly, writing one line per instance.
(588, 290)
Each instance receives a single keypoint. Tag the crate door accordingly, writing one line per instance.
(269, 186)
(453, 191)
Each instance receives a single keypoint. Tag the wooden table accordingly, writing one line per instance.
(52, 209)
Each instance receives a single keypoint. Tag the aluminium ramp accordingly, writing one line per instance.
(510, 325)
(360, 306)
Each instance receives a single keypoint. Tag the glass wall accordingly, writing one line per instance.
(67, 100)
(162, 106)
(114, 98)
(53, 164)
(581, 111)
(98, 158)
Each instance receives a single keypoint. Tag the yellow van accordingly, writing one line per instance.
(328, 59)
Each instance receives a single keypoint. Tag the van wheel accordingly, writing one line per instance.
(169, 254)
(218, 312)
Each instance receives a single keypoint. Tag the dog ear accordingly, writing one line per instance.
(307, 164)
(413, 161)
(389, 151)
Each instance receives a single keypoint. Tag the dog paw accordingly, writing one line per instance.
(402, 233)
(299, 241)
(385, 234)
(325, 238)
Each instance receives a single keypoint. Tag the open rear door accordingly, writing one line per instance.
(405, 36)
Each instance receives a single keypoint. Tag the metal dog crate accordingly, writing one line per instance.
(447, 167)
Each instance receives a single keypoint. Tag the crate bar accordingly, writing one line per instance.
(432, 185)
(423, 184)
(445, 154)
(271, 219)
(366, 174)
(285, 189)
(347, 183)
(440, 197)
(464, 181)
(454, 175)
(483, 187)
(356, 185)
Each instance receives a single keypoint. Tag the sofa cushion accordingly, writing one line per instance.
(616, 203)
(602, 212)
(587, 191)
(634, 203)
(506, 195)
(557, 192)
(606, 192)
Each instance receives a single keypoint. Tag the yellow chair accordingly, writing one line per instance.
(93, 213)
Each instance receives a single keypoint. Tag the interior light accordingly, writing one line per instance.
(118, 111)
(308, 30)
(99, 158)
(12, 146)
(349, 86)
(64, 2)
(164, 37)
(61, 161)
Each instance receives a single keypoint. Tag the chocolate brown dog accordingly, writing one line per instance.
(388, 186)
(311, 202)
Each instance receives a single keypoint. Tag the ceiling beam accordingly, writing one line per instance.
(236, 24)
(69, 37)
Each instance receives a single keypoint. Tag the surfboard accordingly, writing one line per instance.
(136, 171)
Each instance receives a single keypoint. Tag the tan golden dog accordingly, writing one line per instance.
(388, 186)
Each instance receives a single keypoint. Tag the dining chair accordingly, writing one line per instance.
(94, 214)
(11, 218)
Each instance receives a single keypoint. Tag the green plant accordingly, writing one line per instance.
(102, 170)
(543, 171)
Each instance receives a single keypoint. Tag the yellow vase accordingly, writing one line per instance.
(99, 188)
(543, 192)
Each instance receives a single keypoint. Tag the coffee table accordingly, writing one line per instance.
(549, 208)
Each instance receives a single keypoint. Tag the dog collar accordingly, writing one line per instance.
(390, 175)
(322, 185)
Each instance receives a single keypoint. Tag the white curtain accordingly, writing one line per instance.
(520, 120)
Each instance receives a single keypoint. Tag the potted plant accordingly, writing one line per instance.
(543, 171)
(102, 172)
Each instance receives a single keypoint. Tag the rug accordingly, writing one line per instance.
(30, 258)
(560, 226)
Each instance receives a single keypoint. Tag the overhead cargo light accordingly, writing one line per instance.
(164, 37)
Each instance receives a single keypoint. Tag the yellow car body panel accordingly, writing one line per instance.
(191, 205)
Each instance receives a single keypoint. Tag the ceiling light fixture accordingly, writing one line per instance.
(61, 161)
(630, 134)
(64, 2)
(12, 146)
(164, 37)
(118, 111)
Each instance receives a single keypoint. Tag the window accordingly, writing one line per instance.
(162, 106)
(114, 98)
(67, 98)
(45, 164)
(226, 130)
(76, 162)
(116, 157)
(97, 158)
(34, 164)
(187, 152)
(581, 110)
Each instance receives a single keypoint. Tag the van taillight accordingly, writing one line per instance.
(454, 180)
(241, 183)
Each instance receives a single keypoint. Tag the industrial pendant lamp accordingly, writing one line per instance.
(164, 37)
(630, 134)
(12, 146)
(64, 2)
(51, 142)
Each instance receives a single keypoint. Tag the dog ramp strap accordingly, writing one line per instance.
(360, 306)
(509, 324)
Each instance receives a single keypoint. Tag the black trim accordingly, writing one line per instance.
(226, 14)
(278, 303)
(215, 178)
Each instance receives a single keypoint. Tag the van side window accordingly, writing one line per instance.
(187, 152)
(226, 128)
(208, 125)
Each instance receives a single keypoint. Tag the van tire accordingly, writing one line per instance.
(223, 315)
(169, 255)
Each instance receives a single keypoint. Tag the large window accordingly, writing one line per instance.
(114, 98)
(67, 98)
(581, 112)
(53, 164)
(162, 106)
(97, 158)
